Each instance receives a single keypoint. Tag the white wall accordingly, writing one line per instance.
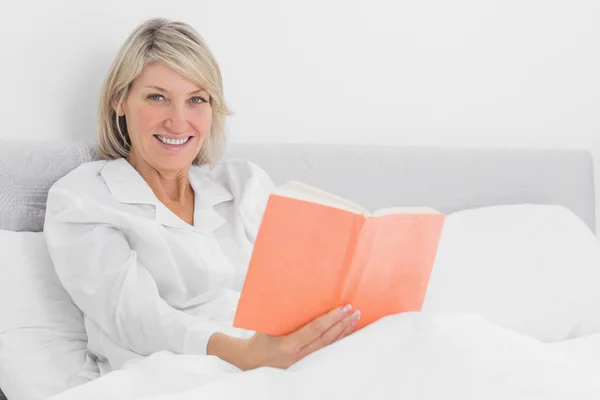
(427, 72)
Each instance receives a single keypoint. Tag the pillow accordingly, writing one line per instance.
(43, 344)
(534, 269)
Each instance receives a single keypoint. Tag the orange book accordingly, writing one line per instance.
(316, 251)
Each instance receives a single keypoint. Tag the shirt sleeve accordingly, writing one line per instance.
(102, 274)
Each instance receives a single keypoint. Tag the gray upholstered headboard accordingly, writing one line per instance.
(448, 179)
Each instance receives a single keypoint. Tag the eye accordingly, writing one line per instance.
(156, 97)
(197, 100)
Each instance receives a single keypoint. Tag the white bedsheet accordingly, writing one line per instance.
(407, 356)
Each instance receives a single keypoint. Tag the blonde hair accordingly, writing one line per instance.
(178, 46)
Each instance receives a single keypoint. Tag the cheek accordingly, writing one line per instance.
(203, 120)
(146, 118)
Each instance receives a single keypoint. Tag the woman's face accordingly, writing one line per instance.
(168, 117)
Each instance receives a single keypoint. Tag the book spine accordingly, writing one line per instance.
(351, 271)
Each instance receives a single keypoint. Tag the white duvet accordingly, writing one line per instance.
(407, 356)
(509, 285)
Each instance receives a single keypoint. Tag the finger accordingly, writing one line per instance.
(349, 323)
(340, 329)
(315, 329)
(349, 329)
(327, 337)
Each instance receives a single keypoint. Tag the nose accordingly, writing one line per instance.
(177, 120)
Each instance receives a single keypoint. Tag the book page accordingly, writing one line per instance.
(395, 255)
(302, 191)
(405, 210)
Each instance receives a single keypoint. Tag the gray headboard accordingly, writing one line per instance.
(448, 179)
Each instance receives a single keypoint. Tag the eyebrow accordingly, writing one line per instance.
(166, 91)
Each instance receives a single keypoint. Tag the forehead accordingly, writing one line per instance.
(157, 74)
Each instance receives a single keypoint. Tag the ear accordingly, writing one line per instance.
(119, 109)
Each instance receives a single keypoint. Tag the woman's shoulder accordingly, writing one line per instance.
(77, 194)
(240, 177)
(235, 171)
(247, 184)
(83, 177)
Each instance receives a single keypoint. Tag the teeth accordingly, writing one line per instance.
(175, 142)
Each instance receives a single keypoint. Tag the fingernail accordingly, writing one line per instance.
(346, 308)
(356, 315)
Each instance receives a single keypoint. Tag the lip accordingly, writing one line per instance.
(172, 136)
(172, 147)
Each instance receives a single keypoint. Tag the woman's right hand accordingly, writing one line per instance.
(283, 351)
(263, 350)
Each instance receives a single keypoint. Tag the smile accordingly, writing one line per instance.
(173, 142)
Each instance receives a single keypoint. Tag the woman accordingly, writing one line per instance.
(152, 243)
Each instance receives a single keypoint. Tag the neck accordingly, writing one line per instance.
(173, 185)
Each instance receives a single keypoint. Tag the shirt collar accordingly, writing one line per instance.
(127, 186)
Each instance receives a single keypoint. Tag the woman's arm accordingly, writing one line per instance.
(103, 275)
(251, 187)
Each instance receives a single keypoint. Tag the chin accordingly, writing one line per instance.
(175, 163)
(174, 160)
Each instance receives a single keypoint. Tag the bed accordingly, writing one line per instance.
(451, 180)
(447, 179)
